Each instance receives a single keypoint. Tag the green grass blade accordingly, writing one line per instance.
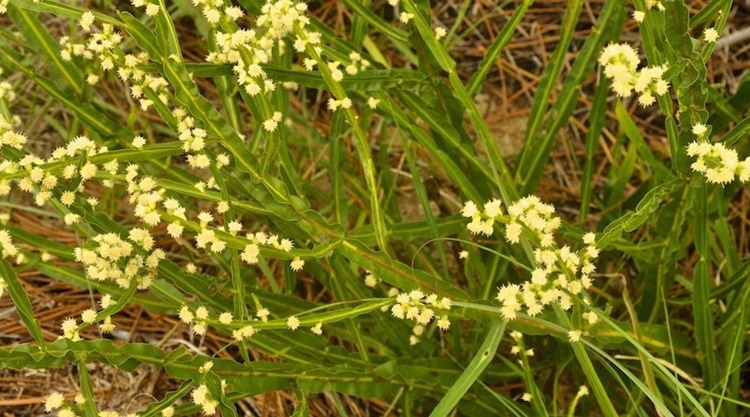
(63, 10)
(362, 148)
(396, 273)
(155, 409)
(702, 315)
(166, 35)
(41, 41)
(87, 390)
(472, 372)
(737, 132)
(601, 394)
(539, 141)
(447, 161)
(506, 34)
(424, 200)
(21, 301)
(144, 37)
(362, 10)
(708, 12)
(596, 123)
(501, 173)
(552, 70)
(630, 129)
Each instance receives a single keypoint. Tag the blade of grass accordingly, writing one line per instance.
(397, 273)
(501, 40)
(733, 352)
(361, 10)
(630, 129)
(500, 171)
(21, 302)
(86, 113)
(483, 357)
(63, 10)
(87, 389)
(362, 146)
(552, 71)
(601, 394)
(708, 12)
(423, 199)
(596, 123)
(447, 161)
(648, 372)
(702, 315)
(42, 42)
(539, 141)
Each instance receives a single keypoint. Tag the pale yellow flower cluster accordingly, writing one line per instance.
(559, 272)
(109, 257)
(203, 398)
(421, 309)
(718, 163)
(620, 62)
(71, 329)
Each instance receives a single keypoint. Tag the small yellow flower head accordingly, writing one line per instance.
(138, 142)
(700, 129)
(270, 125)
(405, 17)
(226, 318)
(710, 35)
(88, 316)
(186, 316)
(716, 162)
(54, 401)
(87, 19)
(297, 264)
(243, 333)
(444, 324)
(201, 313)
(371, 280)
(70, 329)
(372, 102)
(292, 322)
(574, 336)
(263, 314)
(440, 32)
(250, 253)
(206, 367)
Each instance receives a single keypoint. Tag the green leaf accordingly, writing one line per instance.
(633, 219)
(154, 409)
(63, 10)
(631, 131)
(364, 12)
(41, 41)
(166, 35)
(501, 40)
(396, 273)
(702, 314)
(21, 301)
(540, 133)
(483, 357)
(551, 72)
(87, 390)
(143, 36)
